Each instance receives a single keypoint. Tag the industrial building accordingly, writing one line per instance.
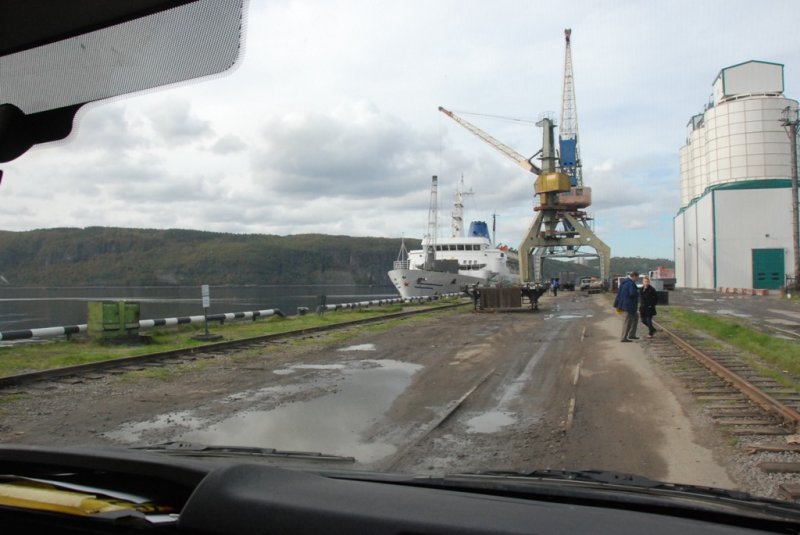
(734, 227)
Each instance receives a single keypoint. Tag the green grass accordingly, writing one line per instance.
(36, 357)
(785, 354)
(732, 440)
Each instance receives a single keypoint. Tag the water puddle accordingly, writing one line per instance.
(334, 422)
(567, 316)
(490, 422)
(359, 347)
(728, 312)
(781, 321)
(483, 333)
(175, 420)
(784, 312)
(292, 369)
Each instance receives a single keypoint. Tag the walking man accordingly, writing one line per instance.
(648, 307)
(627, 300)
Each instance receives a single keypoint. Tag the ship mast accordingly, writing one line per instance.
(433, 225)
(457, 215)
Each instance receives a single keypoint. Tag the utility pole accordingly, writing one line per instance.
(789, 121)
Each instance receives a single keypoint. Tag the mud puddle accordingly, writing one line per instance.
(331, 418)
(490, 422)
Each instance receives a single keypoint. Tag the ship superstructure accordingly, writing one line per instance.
(446, 265)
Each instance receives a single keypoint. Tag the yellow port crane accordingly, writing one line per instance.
(556, 231)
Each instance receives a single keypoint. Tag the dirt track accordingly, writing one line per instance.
(459, 391)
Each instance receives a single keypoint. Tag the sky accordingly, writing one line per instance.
(328, 122)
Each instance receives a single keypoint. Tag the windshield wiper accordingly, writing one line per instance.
(191, 449)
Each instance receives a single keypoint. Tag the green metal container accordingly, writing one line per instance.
(110, 320)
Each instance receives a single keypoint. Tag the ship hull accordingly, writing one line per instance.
(421, 283)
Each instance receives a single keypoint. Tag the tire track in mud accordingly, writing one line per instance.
(521, 397)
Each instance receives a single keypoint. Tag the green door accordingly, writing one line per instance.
(768, 272)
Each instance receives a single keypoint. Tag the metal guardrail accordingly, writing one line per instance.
(170, 322)
(394, 300)
(69, 330)
(44, 332)
(24, 378)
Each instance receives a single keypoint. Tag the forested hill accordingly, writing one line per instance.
(103, 256)
(116, 256)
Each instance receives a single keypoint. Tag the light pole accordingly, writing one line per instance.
(789, 120)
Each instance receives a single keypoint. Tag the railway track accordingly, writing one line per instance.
(95, 370)
(745, 398)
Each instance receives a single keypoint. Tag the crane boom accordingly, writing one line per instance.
(569, 148)
(520, 160)
(561, 227)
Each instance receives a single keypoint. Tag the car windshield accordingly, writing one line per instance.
(417, 237)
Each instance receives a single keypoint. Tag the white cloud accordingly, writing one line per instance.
(227, 144)
(329, 124)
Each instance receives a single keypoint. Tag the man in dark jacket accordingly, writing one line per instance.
(627, 300)
(648, 307)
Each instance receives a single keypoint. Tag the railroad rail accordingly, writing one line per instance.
(212, 348)
(761, 414)
(790, 416)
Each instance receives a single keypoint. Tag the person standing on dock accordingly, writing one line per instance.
(476, 296)
(647, 309)
(627, 300)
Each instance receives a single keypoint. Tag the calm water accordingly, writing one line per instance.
(27, 308)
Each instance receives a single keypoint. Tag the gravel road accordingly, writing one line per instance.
(456, 391)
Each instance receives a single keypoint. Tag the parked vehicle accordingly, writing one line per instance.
(662, 278)
(566, 280)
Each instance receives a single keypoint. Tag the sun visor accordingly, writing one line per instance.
(188, 41)
(56, 55)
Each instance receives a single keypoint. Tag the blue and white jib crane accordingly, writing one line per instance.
(561, 226)
(569, 150)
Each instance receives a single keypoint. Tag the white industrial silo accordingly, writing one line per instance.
(735, 168)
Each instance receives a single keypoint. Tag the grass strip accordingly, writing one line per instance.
(22, 358)
(783, 353)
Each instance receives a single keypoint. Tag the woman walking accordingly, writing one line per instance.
(647, 309)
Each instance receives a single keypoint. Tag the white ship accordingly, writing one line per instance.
(448, 265)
